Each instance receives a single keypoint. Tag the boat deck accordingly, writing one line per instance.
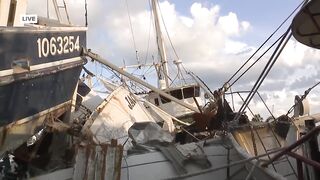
(226, 162)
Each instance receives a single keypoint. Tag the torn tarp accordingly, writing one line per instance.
(148, 136)
(149, 133)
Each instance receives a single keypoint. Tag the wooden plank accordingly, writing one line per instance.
(80, 164)
(98, 162)
(91, 163)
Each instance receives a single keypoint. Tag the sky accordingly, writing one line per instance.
(213, 38)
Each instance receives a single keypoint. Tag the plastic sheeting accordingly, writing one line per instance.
(148, 132)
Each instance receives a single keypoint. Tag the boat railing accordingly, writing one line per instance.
(242, 99)
(255, 131)
(299, 159)
(183, 82)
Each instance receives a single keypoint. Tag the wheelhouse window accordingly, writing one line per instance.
(191, 91)
(156, 101)
(164, 100)
(177, 94)
(196, 91)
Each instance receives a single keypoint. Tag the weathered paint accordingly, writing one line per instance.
(98, 161)
(18, 132)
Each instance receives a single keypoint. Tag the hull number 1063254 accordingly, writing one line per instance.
(57, 45)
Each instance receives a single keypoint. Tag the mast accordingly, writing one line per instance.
(161, 47)
(11, 12)
(133, 78)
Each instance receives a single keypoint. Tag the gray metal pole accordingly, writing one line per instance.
(133, 78)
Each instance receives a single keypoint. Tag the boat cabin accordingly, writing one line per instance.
(184, 93)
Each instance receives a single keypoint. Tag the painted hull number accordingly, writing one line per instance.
(57, 45)
(131, 101)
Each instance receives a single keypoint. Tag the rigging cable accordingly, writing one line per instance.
(131, 28)
(149, 34)
(256, 61)
(144, 71)
(184, 79)
(265, 104)
(302, 3)
(165, 27)
(265, 71)
(201, 81)
(248, 106)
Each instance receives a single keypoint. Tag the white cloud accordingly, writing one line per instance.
(229, 24)
(209, 43)
(293, 54)
(245, 25)
(187, 21)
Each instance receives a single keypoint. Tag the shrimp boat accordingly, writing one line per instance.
(287, 148)
(232, 148)
(184, 86)
(39, 70)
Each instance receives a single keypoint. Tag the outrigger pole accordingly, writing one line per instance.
(133, 78)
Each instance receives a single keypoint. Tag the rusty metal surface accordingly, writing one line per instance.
(306, 24)
(294, 145)
(16, 133)
(305, 160)
(262, 137)
(98, 161)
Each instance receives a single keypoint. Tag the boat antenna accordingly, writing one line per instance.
(86, 12)
(228, 81)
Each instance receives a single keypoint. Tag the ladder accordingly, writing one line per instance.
(57, 9)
